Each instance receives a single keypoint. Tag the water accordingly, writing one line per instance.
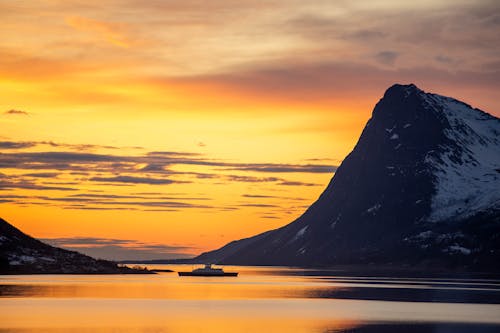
(271, 299)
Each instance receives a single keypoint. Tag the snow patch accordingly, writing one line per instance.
(425, 235)
(407, 125)
(459, 249)
(389, 130)
(300, 233)
(27, 259)
(394, 137)
(334, 223)
(373, 209)
(48, 259)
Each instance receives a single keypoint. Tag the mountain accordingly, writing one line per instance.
(22, 254)
(421, 187)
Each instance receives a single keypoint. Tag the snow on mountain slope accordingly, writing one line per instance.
(467, 170)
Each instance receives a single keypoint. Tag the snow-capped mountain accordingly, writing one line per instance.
(422, 186)
(22, 254)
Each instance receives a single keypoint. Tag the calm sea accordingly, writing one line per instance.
(260, 299)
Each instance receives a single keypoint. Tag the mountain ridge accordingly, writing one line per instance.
(23, 254)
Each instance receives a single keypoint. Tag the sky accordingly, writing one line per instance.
(161, 129)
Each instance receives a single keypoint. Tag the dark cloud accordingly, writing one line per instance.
(78, 147)
(443, 59)
(153, 196)
(387, 57)
(251, 179)
(6, 184)
(155, 162)
(294, 183)
(365, 35)
(151, 168)
(117, 203)
(121, 249)
(269, 217)
(15, 145)
(258, 196)
(257, 205)
(135, 180)
(171, 153)
(42, 174)
(16, 112)
(285, 168)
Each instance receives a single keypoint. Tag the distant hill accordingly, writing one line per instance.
(22, 254)
(420, 188)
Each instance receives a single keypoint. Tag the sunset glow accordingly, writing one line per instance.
(146, 130)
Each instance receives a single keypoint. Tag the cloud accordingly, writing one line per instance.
(26, 185)
(104, 204)
(285, 168)
(75, 170)
(295, 183)
(13, 183)
(16, 112)
(135, 180)
(387, 57)
(121, 249)
(443, 59)
(42, 174)
(258, 196)
(113, 33)
(257, 205)
(151, 162)
(15, 145)
(269, 217)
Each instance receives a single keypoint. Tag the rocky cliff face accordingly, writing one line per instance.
(422, 186)
(22, 254)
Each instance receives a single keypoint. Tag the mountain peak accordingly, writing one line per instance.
(420, 186)
(403, 90)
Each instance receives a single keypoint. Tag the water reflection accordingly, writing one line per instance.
(260, 299)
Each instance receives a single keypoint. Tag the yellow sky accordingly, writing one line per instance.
(163, 129)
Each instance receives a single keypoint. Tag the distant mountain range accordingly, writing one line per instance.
(421, 187)
(22, 254)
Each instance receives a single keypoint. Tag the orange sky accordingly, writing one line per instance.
(134, 129)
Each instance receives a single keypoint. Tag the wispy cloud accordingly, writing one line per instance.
(15, 145)
(113, 33)
(135, 180)
(16, 112)
(387, 57)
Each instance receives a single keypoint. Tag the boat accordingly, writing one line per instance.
(208, 270)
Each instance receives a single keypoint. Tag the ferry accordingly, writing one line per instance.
(208, 270)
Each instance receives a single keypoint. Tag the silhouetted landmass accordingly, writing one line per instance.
(420, 190)
(419, 328)
(22, 254)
